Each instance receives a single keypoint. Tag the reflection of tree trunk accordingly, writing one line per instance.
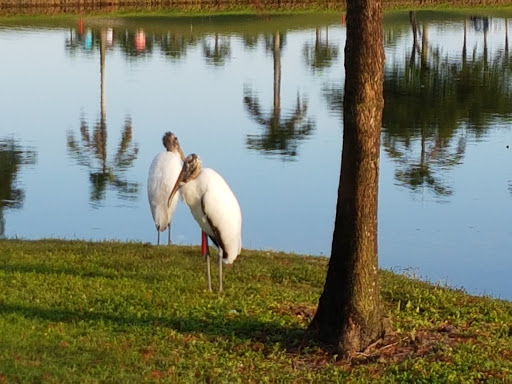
(424, 46)
(424, 58)
(423, 151)
(318, 37)
(486, 62)
(506, 38)
(103, 122)
(277, 72)
(414, 26)
(485, 49)
(464, 46)
(103, 37)
(349, 314)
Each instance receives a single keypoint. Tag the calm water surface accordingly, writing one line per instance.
(84, 104)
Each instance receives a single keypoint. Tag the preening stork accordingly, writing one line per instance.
(163, 174)
(215, 208)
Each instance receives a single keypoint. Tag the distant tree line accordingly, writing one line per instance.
(79, 6)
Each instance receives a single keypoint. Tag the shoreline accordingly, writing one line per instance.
(262, 253)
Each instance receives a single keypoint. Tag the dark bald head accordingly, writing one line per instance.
(171, 143)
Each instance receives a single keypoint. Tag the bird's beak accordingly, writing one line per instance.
(181, 154)
(175, 189)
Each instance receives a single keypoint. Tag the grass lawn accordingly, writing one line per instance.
(107, 312)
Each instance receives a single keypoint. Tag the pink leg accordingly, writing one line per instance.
(206, 253)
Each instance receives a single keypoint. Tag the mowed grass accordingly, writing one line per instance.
(107, 312)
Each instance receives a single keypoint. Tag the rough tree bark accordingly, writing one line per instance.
(349, 315)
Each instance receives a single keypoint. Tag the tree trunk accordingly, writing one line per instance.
(349, 315)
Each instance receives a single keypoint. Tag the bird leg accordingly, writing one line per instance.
(169, 242)
(205, 251)
(220, 272)
(158, 237)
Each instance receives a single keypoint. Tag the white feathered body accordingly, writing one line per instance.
(210, 190)
(163, 173)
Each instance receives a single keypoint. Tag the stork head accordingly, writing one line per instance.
(192, 166)
(171, 143)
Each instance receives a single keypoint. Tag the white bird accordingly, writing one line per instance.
(215, 208)
(163, 173)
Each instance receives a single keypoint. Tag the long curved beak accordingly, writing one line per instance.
(175, 188)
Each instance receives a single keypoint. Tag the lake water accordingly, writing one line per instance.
(84, 104)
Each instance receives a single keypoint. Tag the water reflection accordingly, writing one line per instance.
(85, 39)
(12, 157)
(448, 107)
(333, 94)
(134, 43)
(91, 151)
(174, 45)
(282, 133)
(250, 40)
(322, 53)
(216, 50)
(433, 101)
(284, 130)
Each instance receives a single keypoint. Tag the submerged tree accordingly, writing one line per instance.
(282, 132)
(349, 315)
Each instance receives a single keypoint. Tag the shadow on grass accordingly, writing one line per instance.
(239, 327)
(149, 276)
(45, 269)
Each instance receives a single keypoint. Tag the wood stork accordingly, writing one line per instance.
(163, 173)
(215, 208)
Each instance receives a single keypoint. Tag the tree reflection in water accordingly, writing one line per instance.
(12, 157)
(322, 53)
(282, 132)
(333, 94)
(216, 52)
(91, 151)
(434, 103)
(173, 45)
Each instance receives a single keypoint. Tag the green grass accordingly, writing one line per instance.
(82, 312)
(498, 9)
